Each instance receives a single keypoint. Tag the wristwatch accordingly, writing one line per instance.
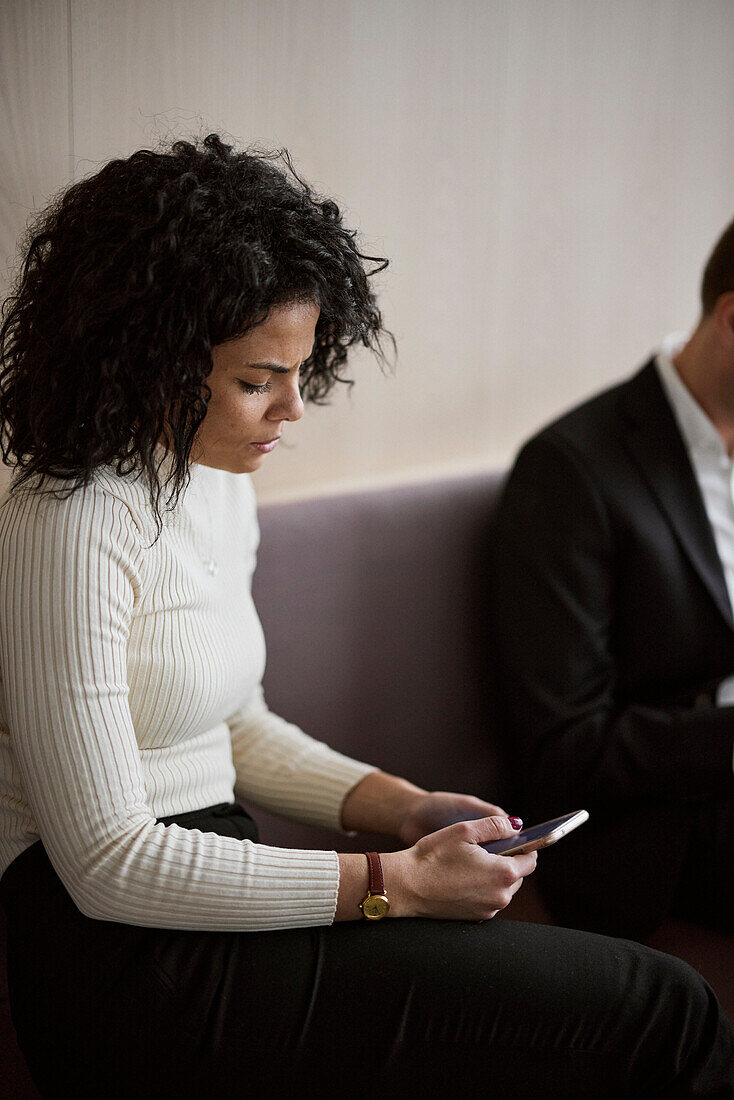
(375, 905)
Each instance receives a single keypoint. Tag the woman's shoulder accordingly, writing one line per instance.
(55, 508)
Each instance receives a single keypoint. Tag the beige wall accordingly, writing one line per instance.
(546, 176)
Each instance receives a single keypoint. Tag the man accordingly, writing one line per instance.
(612, 581)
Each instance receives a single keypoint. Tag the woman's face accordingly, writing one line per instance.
(255, 389)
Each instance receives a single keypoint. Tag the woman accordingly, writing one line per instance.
(172, 311)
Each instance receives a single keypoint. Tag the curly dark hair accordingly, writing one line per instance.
(131, 277)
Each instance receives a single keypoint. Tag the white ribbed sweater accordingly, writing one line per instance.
(131, 690)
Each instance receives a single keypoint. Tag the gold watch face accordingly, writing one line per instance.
(375, 906)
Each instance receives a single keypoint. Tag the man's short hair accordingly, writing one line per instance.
(718, 275)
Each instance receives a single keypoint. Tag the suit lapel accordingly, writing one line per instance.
(654, 441)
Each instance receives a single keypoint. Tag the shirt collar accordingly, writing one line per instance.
(699, 434)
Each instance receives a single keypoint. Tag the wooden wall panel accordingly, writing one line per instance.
(545, 175)
(34, 113)
(35, 137)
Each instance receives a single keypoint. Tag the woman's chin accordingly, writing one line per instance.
(250, 463)
(238, 464)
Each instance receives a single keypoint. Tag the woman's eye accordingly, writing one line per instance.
(248, 387)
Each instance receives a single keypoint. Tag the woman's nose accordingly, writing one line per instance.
(288, 403)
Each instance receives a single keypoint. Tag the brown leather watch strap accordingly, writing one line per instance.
(377, 881)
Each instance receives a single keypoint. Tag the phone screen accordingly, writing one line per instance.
(536, 833)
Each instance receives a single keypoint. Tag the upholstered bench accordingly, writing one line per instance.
(373, 609)
(371, 606)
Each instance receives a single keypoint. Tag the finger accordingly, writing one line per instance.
(489, 809)
(469, 807)
(486, 829)
(516, 886)
(525, 864)
(494, 811)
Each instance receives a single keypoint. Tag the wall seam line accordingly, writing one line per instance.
(70, 85)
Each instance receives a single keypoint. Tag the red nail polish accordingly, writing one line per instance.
(516, 822)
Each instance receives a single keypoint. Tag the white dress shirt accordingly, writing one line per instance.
(712, 465)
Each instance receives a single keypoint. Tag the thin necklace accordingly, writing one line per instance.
(210, 563)
(206, 549)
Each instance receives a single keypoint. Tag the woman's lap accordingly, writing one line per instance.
(105, 1009)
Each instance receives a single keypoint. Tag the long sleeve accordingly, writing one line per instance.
(555, 567)
(287, 772)
(71, 580)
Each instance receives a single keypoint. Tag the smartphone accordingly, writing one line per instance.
(537, 836)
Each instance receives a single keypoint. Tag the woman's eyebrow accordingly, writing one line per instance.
(274, 367)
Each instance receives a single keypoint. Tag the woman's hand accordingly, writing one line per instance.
(427, 811)
(447, 875)
(383, 803)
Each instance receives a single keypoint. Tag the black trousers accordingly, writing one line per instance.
(498, 1009)
(625, 872)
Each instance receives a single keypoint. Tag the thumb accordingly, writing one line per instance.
(486, 829)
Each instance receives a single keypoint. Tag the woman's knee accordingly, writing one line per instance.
(687, 1041)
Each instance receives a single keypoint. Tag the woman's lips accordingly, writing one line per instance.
(267, 447)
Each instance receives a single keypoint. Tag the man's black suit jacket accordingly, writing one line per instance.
(612, 628)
